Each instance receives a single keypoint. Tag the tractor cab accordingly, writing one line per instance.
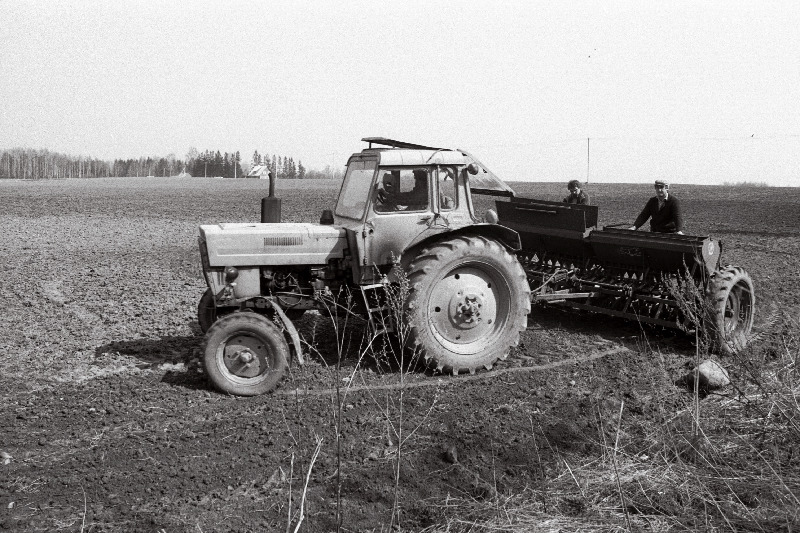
(396, 194)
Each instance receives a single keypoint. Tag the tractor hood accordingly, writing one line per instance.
(250, 244)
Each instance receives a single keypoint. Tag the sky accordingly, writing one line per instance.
(605, 91)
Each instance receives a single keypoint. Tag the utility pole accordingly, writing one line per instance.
(205, 172)
(587, 159)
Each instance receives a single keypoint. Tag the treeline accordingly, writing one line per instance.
(146, 166)
(29, 164)
(23, 163)
(214, 164)
(26, 163)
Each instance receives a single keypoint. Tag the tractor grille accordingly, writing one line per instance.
(294, 240)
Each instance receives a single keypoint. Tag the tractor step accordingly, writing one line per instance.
(378, 315)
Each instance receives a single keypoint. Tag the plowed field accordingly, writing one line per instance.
(109, 425)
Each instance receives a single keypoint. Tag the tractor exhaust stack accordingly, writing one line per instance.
(271, 206)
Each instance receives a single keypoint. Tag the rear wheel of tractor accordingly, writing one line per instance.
(245, 354)
(207, 312)
(731, 305)
(468, 301)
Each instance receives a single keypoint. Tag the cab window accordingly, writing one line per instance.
(403, 189)
(447, 188)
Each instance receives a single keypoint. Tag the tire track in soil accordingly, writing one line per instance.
(85, 323)
(51, 290)
(456, 380)
(88, 440)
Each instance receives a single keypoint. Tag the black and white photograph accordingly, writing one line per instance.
(429, 267)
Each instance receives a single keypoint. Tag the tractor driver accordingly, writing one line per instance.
(390, 198)
(386, 197)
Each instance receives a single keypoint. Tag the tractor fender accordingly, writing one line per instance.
(292, 331)
(505, 236)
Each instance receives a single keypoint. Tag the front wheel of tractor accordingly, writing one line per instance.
(245, 354)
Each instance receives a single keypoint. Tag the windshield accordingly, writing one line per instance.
(355, 189)
(485, 182)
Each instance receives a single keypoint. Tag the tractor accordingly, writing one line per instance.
(471, 279)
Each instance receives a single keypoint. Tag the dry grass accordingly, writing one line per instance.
(741, 473)
(729, 462)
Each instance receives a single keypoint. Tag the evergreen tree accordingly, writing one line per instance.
(217, 166)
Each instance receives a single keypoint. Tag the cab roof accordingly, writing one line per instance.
(400, 153)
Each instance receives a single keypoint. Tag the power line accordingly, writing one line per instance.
(566, 140)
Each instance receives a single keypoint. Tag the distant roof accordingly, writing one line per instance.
(259, 170)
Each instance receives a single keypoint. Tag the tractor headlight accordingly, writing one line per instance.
(231, 274)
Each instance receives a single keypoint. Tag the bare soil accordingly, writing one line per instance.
(110, 424)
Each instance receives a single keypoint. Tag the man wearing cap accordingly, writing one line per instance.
(390, 198)
(663, 210)
(576, 195)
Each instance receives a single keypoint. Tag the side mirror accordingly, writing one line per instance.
(472, 168)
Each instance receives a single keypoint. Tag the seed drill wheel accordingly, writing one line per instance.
(468, 302)
(245, 354)
(731, 302)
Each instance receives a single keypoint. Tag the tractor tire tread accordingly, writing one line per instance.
(452, 253)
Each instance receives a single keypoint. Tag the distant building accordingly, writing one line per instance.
(259, 172)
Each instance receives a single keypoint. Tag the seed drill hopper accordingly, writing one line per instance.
(642, 276)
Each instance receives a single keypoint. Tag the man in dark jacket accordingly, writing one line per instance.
(663, 210)
(576, 195)
(390, 198)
